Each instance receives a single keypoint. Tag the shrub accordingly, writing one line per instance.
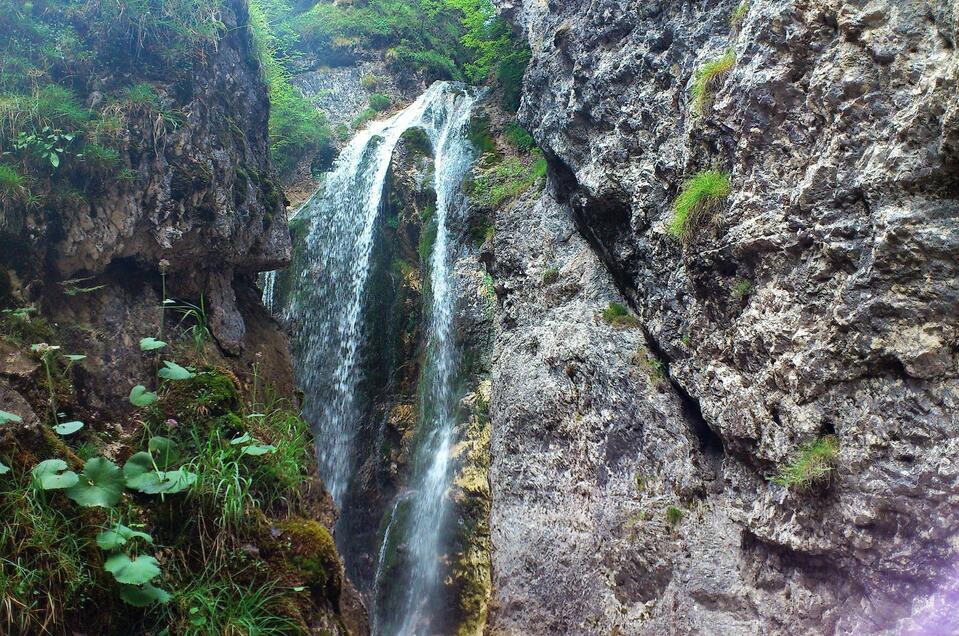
(813, 464)
(380, 102)
(618, 315)
(697, 198)
(743, 288)
(673, 515)
(519, 137)
(708, 76)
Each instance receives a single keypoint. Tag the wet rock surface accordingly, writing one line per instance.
(819, 299)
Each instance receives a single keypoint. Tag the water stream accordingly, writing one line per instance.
(329, 284)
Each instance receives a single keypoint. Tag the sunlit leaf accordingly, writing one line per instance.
(173, 371)
(9, 417)
(242, 439)
(74, 357)
(258, 449)
(4, 469)
(151, 344)
(100, 485)
(52, 474)
(68, 428)
(139, 396)
(132, 571)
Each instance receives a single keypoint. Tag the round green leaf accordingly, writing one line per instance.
(52, 474)
(9, 417)
(139, 396)
(4, 469)
(68, 428)
(118, 536)
(164, 452)
(132, 571)
(101, 484)
(258, 449)
(151, 344)
(176, 481)
(173, 371)
(143, 595)
(141, 475)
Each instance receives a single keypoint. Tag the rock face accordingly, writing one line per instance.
(817, 299)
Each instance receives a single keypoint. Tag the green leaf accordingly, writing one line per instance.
(143, 477)
(52, 474)
(132, 571)
(139, 396)
(242, 439)
(74, 357)
(9, 417)
(118, 536)
(143, 595)
(258, 449)
(68, 428)
(151, 344)
(173, 371)
(54, 159)
(164, 452)
(4, 469)
(100, 485)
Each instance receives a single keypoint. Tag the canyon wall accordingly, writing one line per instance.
(817, 301)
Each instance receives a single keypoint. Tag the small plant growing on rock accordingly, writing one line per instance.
(698, 197)
(739, 14)
(379, 102)
(673, 516)
(618, 315)
(550, 276)
(707, 77)
(813, 464)
(743, 289)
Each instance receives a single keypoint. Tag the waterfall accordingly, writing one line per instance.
(329, 283)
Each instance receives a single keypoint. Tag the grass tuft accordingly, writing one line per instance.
(743, 288)
(618, 315)
(550, 276)
(708, 76)
(699, 195)
(673, 516)
(814, 464)
(739, 14)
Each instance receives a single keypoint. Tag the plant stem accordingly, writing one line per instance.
(53, 395)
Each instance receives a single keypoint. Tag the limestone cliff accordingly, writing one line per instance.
(631, 461)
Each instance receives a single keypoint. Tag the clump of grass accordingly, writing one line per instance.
(618, 315)
(141, 95)
(12, 183)
(508, 179)
(813, 464)
(211, 603)
(708, 76)
(550, 276)
(380, 102)
(673, 516)
(697, 198)
(743, 288)
(653, 366)
(739, 14)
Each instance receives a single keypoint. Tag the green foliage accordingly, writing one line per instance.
(508, 179)
(100, 484)
(708, 76)
(739, 14)
(68, 428)
(44, 558)
(674, 515)
(210, 603)
(174, 372)
(427, 240)
(743, 288)
(297, 128)
(519, 137)
(53, 474)
(813, 464)
(142, 95)
(618, 315)
(132, 571)
(380, 102)
(699, 195)
(151, 344)
(551, 275)
(417, 140)
(141, 397)
(12, 181)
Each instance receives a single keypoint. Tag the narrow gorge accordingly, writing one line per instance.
(462, 317)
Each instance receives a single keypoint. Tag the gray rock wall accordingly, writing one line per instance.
(839, 128)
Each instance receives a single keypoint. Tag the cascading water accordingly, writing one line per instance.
(329, 285)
